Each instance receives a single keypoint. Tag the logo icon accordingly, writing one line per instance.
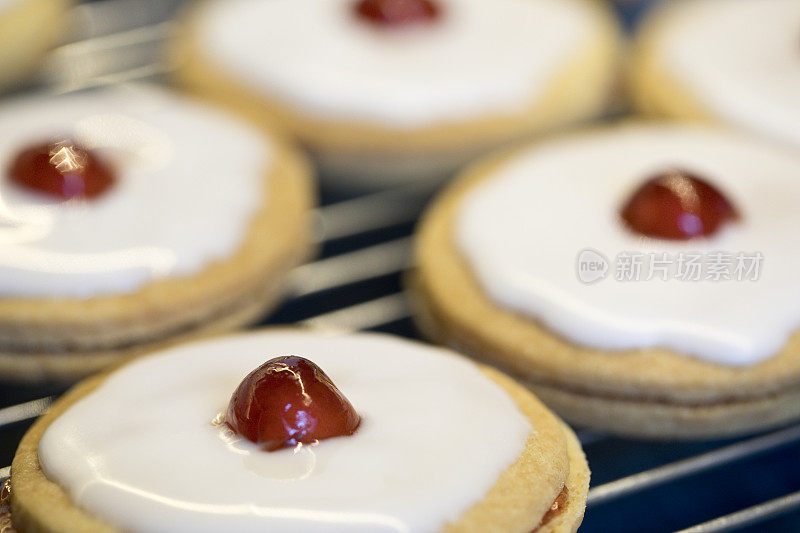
(591, 266)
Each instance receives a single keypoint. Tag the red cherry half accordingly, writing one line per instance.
(63, 169)
(677, 205)
(289, 400)
(397, 12)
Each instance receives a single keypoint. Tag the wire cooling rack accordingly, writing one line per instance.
(749, 484)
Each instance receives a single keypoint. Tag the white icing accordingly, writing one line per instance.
(140, 452)
(741, 59)
(522, 231)
(479, 58)
(188, 181)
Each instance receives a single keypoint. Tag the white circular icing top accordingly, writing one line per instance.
(740, 59)
(479, 58)
(141, 452)
(523, 230)
(188, 182)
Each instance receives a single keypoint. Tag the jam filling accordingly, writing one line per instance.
(677, 205)
(558, 506)
(393, 13)
(5, 508)
(288, 401)
(63, 169)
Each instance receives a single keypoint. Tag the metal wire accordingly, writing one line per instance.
(693, 465)
(751, 515)
(378, 260)
(365, 315)
(24, 411)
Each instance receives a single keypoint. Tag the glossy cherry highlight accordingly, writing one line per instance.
(64, 169)
(289, 400)
(390, 13)
(677, 205)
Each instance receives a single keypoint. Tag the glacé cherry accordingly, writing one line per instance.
(677, 205)
(63, 169)
(392, 13)
(287, 401)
